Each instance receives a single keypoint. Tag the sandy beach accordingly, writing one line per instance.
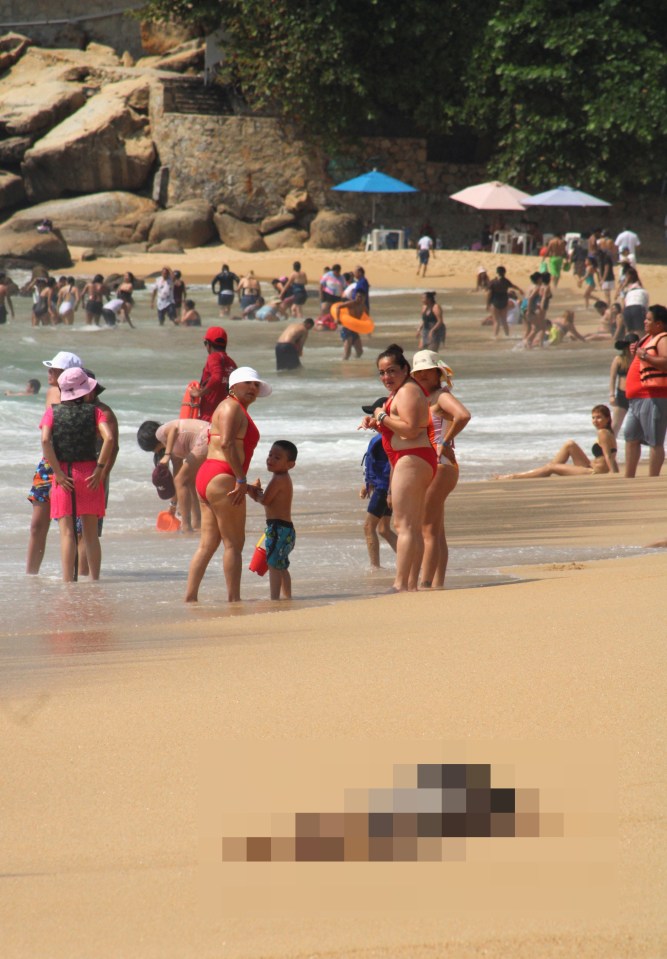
(385, 268)
(124, 767)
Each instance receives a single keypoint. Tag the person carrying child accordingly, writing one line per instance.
(277, 501)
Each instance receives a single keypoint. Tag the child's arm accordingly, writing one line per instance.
(255, 491)
(270, 493)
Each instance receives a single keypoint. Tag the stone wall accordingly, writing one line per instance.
(249, 164)
(114, 28)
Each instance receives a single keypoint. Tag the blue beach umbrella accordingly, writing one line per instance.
(374, 182)
(564, 196)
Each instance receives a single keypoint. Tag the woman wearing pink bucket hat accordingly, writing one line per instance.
(69, 434)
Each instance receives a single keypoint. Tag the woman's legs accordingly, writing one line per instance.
(434, 564)
(500, 320)
(410, 480)
(571, 451)
(208, 543)
(39, 530)
(185, 473)
(68, 546)
(92, 543)
(221, 522)
(231, 524)
(617, 417)
(581, 465)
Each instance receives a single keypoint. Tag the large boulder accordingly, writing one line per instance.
(101, 221)
(13, 149)
(106, 145)
(49, 249)
(190, 223)
(237, 234)
(298, 201)
(39, 92)
(284, 239)
(11, 190)
(279, 221)
(335, 231)
(166, 246)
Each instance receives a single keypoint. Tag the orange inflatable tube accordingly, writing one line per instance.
(362, 324)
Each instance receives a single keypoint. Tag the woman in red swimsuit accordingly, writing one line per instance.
(406, 429)
(222, 483)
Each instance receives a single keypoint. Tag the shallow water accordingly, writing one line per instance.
(523, 404)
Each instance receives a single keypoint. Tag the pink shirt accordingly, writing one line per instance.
(47, 419)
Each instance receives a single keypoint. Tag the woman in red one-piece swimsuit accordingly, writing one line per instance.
(222, 482)
(405, 425)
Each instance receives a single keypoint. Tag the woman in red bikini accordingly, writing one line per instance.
(222, 483)
(406, 428)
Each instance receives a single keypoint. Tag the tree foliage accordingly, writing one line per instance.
(573, 91)
(567, 90)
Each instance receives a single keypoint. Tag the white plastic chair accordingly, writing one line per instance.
(502, 242)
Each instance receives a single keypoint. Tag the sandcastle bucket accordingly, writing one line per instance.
(167, 522)
(258, 563)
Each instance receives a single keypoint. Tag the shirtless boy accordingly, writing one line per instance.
(277, 501)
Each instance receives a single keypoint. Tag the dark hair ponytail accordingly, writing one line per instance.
(394, 352)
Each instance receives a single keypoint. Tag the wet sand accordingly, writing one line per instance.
(111, 815)
(123, 767)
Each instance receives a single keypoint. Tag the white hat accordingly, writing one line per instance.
(64, 361)
(75, 383)
(430, 360)
(246, 374)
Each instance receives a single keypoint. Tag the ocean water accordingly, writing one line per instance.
(523, 406)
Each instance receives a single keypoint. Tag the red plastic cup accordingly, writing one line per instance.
(258, 563)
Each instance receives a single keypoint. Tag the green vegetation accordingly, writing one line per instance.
(565, 91)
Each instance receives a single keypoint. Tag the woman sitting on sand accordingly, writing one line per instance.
(604, 454)
(563, 328)
(449, 418)
(407, 440)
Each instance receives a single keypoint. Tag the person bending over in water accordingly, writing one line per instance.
(604, 454)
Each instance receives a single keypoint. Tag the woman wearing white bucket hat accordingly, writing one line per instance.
(449, 418)
(222, 482)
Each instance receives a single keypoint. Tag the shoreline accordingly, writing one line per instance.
(390, 269)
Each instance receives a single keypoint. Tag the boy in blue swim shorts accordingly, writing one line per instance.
(277, 501)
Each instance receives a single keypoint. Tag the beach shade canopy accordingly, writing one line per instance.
(374, 182)
(492, 196)
(564, 196)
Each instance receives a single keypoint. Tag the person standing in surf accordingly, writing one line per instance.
(69, 441)
(214, 383)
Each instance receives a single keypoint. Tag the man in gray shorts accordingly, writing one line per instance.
(646, 389)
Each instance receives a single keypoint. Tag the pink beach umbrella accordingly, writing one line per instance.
(492, 196)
